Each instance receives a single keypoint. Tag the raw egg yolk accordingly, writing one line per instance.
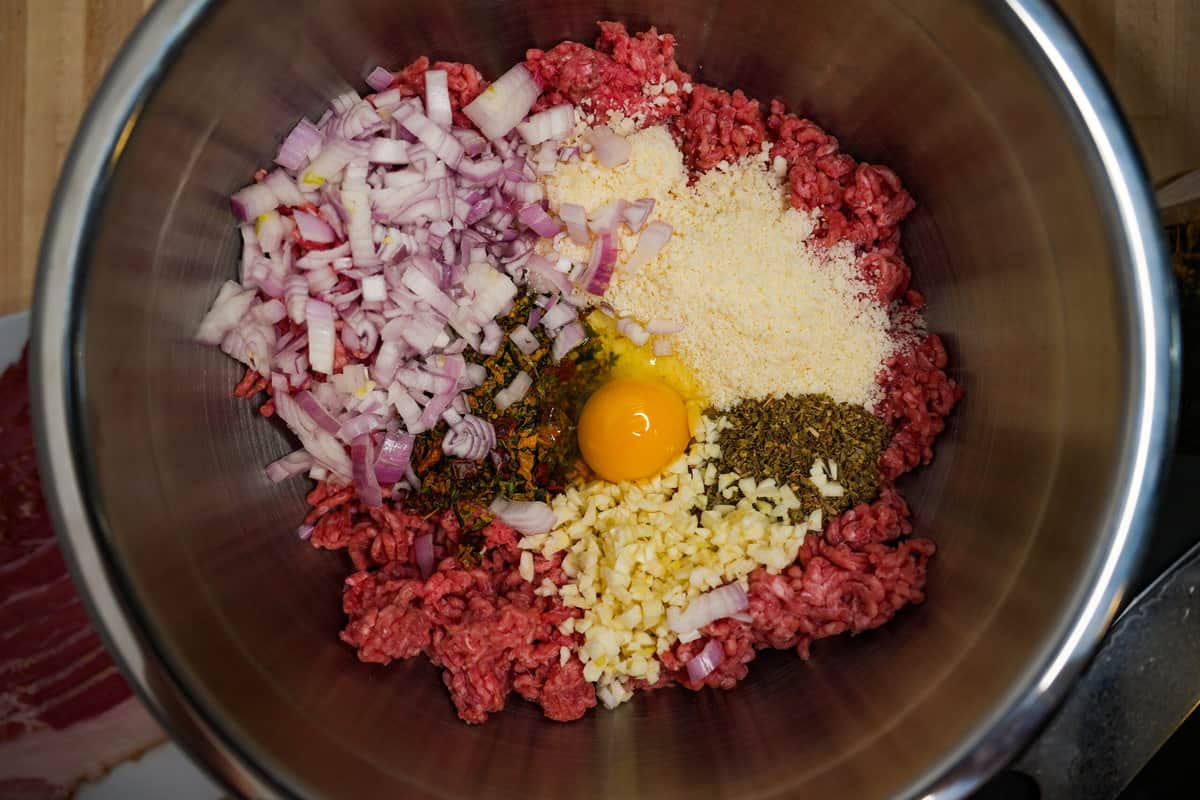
(632, 428)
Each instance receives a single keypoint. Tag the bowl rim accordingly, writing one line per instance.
(1115, 169)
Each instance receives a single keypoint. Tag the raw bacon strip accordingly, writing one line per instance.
(65, 712)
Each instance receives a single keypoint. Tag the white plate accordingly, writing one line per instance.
(164, 771)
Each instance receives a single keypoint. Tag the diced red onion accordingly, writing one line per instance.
(374, 289)
(379, 79)
(305, 531)
(332, 159)
(525, 191)
(419, 284)
(313, 228)
(492, 290)
(601, 263)
(304, 139)
(321, 334)
(545, 276)
(662, 347)
(351, 379)
(270, 312)
(472, 438)
(493, 336)
(528, 517)
(227, 310)
(485, 171)
(433, 136)
(319, 258)
(387, 100)
(321, 279)
(251, 343)
(289, 466)
(317, 412)
(423, 554)
(611, 150)
(387, 207)
(499, 108)
(355, 176)
(284, 188)
(553, 123)
(524, 339)
(567, 340)
(701, 665)
(435, 407)
(394, 457)
(319, 442)
(576, 219)
(270, 231)
(539, 221)
(437, 97)
(637, 212)
(362, 457)
(358, 425)
(388, 151)
(513, 393)
(268, 278)
(407, 408)
(606, 218)
(474, 375)
(653, 239)
(253, 201)
(358, 227)
(251, 252)
(709, 607)
(557, 316)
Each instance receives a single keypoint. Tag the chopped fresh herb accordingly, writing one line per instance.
(781, 437)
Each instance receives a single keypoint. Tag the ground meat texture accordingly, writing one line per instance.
(884, 268)
(484, 625)
(737, 643)
(860, 203)
(871, 523)
(463, 80)
(918, 395)
(612, 76)
(718, 126)
(854, 577)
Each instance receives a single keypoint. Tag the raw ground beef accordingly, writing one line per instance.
(484, 626)
(918, 395)
(718, 126)
(852, 578)
(463, 80)
(612, 77)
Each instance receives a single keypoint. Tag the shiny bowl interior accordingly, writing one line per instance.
(1028, 241)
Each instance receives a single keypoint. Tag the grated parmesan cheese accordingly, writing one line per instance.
(765, 312)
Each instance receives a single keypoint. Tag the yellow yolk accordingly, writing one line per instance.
(631, 428)
(640, 363)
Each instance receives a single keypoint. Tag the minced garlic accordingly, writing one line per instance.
(634, 551)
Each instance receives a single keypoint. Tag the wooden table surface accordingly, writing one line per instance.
(53, 52)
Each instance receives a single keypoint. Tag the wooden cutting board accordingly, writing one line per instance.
(53, 52)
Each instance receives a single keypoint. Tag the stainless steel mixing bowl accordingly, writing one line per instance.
(1035, 240)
